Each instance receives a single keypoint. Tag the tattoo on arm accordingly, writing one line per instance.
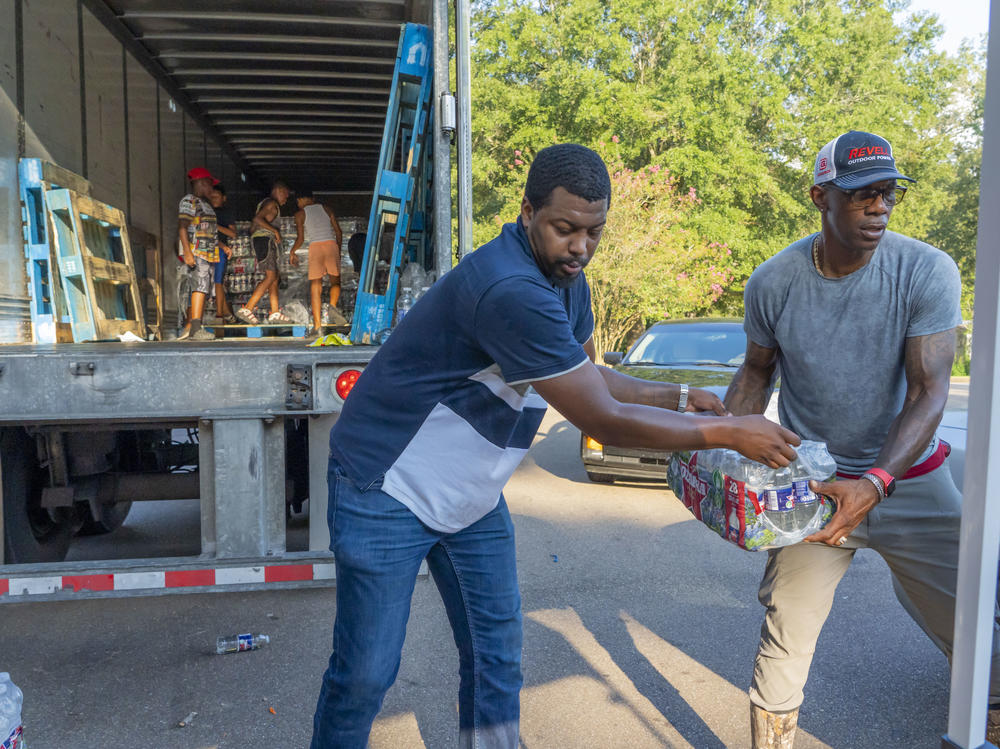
(751, 387)
(927, 360)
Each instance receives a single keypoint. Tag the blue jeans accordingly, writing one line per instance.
(379, 545)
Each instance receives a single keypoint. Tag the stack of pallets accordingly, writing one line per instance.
(81, 272)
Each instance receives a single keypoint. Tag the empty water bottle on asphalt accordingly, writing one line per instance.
(11, 700)
(239, 643)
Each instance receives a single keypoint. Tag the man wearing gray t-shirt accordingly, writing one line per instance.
(860, 324)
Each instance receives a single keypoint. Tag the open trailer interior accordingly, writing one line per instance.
(105, 105)
(131, 95)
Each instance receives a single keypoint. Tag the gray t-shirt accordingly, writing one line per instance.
(841, 340)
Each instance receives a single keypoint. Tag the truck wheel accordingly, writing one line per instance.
(111, 519)
(600, 478)
(30, 532)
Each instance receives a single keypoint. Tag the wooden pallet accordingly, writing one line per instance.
(48, 313)
(95, 263)
(146, 246)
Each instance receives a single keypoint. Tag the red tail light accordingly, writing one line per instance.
(345, 382)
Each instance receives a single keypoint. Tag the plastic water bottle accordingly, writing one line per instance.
(778, 499)
(239, 643)
(11, 700)
(791, 505)
(404, 304)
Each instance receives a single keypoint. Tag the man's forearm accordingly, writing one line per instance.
(749, 392)
(625, 389)
(911, 432)
(182, 237)
(928, 361)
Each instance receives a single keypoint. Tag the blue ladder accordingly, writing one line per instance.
(399, 203)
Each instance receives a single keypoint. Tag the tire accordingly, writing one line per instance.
(31, 533)
(112, 517)
(600, 478)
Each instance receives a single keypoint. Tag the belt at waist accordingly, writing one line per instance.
(933, 461)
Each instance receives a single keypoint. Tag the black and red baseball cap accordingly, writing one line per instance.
(200, 172)
(856, 159)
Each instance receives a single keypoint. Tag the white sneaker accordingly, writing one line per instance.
(279, 317)
(336, 318)
(202, 335)
(247, 316)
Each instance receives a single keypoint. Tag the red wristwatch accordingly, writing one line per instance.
(887, 481)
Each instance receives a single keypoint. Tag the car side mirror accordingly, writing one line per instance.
(613, 357)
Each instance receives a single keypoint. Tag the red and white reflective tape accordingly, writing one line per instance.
(157, 579)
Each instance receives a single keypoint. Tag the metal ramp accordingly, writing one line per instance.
(400, 201)
(48, 309)
(97, 274)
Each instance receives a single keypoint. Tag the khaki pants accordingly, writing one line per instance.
(916, 531)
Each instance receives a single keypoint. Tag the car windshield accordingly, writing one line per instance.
(695, 346)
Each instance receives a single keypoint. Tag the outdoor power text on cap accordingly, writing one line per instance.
(856, 159)
(200, 172)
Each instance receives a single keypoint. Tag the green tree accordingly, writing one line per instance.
(732, 100)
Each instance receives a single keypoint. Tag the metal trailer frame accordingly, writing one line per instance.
(238, 394)
(978, 551)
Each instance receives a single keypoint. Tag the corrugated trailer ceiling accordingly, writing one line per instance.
(297, 89)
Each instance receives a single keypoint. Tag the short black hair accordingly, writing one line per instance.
(304, 193)
(220, 188)
(575, 168)
(280, 183)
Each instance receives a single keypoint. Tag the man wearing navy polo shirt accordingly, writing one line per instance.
(439, 421)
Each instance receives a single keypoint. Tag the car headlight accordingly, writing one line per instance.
(592, 448)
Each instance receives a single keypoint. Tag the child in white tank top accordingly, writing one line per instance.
(318, 228)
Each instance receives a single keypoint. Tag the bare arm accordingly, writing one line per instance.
(751, 387)
(583, 397)
(185, 243)
(335, 224)
(628, 389)
(226, 230)
(300, 228)
(927, 360)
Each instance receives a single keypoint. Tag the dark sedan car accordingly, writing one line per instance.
(703, 352)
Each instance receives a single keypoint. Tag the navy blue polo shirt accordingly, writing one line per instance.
(445, 411)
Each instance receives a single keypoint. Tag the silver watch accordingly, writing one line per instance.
(682, 401)
(877, 482)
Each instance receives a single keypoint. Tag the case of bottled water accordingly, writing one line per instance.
(749, 504)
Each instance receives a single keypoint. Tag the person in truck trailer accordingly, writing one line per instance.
(266, 241)
(196, 236)
(318, 228)
(226, 225)
(438, 422)
(886, 307)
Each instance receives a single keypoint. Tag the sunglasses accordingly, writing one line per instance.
(863, 197)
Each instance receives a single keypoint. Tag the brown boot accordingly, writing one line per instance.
(772, 730)
(993, 727)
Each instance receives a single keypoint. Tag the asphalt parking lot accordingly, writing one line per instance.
(640, 631)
